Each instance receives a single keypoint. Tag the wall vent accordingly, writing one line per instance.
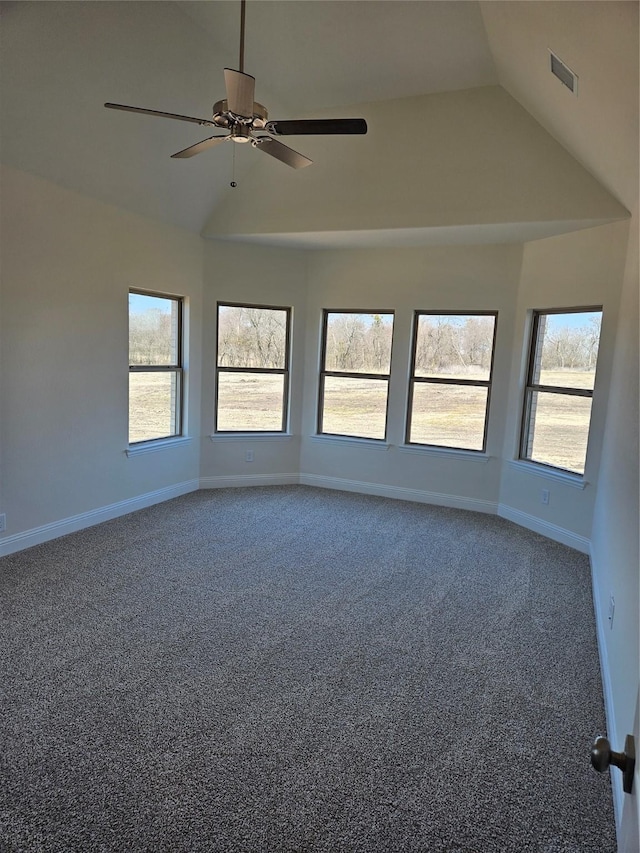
(566, 76)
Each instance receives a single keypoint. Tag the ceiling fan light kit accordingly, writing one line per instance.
(241, 116)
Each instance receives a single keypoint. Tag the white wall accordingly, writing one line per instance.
(460, 278)
(614, 542)
(67, 265)
(69, 261)
(258, 276)
(572, 270)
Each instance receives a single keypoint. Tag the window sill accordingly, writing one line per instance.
(445, 452)
(345, 440)
(574, 480)
(251, 436)
(157, 444)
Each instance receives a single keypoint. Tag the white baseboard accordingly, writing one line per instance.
(399, 493)
(602, 625)
(38, 535)
(241, 480)
(545, 528)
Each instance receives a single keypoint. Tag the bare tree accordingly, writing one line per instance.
(571, 348)
(460, 343)
(345, 342)
(151, 337)
(251, 337)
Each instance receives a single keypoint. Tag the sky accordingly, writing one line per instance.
(570, 320)
(139, 303)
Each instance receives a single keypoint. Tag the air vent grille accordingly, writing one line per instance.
(563, 73)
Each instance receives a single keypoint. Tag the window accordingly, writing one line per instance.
(560, 380)
(450, 385)
(155, 366)
(252, 376)
(354, 376)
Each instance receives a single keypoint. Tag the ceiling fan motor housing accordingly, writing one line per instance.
(223, 117)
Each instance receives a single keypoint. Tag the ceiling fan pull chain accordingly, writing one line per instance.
(233, 168)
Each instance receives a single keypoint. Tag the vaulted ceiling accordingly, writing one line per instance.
(61, 61)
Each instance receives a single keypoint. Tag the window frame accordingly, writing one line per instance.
(285, 371)
(345, 374)
(478, 383)
(177, 369)
(530, 387)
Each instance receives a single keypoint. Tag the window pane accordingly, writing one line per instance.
(454, 346)
(153, 399)
(153, 330)
(250, 402)
(359, 343)
(558, 430)
(567, 349)
(252, 337)
(448, 415)
(355, 407)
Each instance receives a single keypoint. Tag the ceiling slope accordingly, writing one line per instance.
(599, 42)
(468, 166)
(61, 61)
(321, 54)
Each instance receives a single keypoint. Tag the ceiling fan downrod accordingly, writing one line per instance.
(243, 4)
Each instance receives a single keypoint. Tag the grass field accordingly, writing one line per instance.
(150, 406)
(451, 416)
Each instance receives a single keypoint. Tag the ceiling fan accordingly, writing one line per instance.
(241, 116)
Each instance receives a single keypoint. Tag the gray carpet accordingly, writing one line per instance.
(292, 669)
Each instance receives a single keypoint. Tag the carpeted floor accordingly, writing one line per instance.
(292, 669)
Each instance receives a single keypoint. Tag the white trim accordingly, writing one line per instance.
(523, 467)
(445, 452)
(157, 444)
(545, 528)
(399, 493)
(242, 480)
(251, 436)
(349, 441)
(38, 535)
(602, 627)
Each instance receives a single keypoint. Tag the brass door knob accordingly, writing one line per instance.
(602, 756)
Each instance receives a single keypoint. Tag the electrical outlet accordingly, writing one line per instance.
(248, 456)
(3, 522)
(612, 610)
(544, 496)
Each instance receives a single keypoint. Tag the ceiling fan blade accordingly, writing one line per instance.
(202, 121)
(282, 152)
(317, 125)
(200, 146)
(240, 90)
